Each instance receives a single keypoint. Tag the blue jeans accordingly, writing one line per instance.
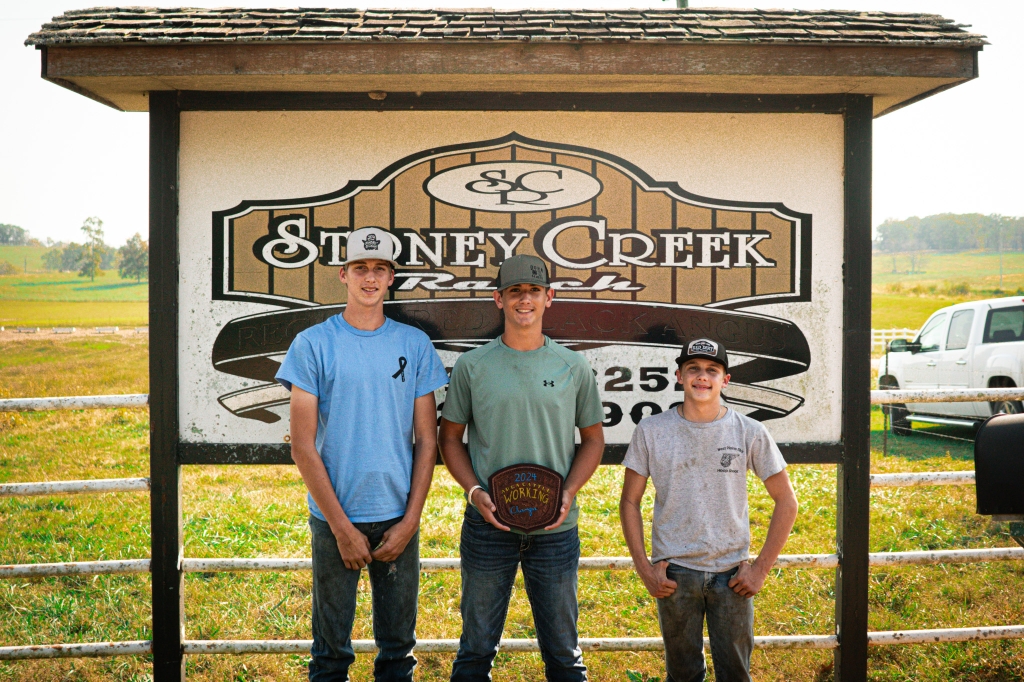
(490, 558)
(730, 626)
(394, 587)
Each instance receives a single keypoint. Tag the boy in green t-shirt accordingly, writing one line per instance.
(521, 396)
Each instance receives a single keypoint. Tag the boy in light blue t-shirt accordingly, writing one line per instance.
(362, 387)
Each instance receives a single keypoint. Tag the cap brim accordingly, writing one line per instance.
(394, 264)
(682, 359)
(523, 281)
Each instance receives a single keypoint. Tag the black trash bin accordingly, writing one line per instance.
(999, 467)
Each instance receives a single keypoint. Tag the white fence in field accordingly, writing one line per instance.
(880, 338)
(200, 565)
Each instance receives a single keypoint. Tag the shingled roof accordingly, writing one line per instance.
(141, 25)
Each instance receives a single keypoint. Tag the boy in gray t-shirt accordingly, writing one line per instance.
(697, 456)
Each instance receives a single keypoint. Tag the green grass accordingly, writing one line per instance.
(73, 314)
(260, 511)
(17, 255)
(898, 311)
(979, 269)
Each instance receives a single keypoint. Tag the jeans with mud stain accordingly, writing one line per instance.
(730, 626)
(490, 559)
(394, 588)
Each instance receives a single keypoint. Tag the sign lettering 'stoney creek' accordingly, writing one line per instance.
(634, 262)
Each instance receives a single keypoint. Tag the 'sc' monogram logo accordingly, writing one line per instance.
(495, 182)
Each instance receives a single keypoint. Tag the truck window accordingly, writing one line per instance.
(959, 330)
(931, 335)
(1004, 325)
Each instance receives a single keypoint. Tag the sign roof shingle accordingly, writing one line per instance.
(140, 25)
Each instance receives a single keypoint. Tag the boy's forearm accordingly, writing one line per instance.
(783, 518)
(314, 475)
(422, 474)
(584, 464)
(633, 529)
(457, 461)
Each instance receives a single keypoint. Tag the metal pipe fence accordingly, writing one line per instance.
(946, 395)
(212, 565)
(882, 337)
(591, 644)
(922, 478)
(78, 402)
(97, 485)
(236, 565)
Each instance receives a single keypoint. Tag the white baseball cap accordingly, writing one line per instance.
(372, 242)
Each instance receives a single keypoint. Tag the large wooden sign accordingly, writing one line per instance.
(640, 266)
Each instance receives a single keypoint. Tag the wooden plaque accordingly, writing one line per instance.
(527, 496)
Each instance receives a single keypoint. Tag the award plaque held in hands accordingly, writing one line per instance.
(527, 496)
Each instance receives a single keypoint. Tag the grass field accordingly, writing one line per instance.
(260, 511)
(895, 311)
(979, 269)
(73, 314)
(20, 256)
(68, 286)
(63, 299)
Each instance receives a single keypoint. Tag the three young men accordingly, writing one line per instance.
(521, 396)
(697, 456)
(362, 386)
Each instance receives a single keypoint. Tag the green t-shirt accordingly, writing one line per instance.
(521, 407)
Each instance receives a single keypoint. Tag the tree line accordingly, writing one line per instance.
(951, 232)
(93, 257)
(12, 235)
(89, 259)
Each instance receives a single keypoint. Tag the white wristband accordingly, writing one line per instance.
(469, 495)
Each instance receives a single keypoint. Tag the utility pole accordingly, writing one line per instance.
(1000, 254)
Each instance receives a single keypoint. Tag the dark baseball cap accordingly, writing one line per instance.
(522, 269)
(707, 349)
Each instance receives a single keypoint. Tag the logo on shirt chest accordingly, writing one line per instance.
(728, 457)
(401, 369)
(550, 383)
(729, 453)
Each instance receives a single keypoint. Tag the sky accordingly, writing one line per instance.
(64, 157)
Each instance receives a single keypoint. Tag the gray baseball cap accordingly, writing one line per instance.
(522, 269)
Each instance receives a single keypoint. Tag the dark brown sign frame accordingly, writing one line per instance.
(168, 454)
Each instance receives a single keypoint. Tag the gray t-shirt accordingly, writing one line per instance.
(699, 472)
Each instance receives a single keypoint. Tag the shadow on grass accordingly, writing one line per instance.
(123, 285)
(78, 285)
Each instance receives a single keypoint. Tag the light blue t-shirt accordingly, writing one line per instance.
(366, 383)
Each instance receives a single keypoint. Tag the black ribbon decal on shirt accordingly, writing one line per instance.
(254, 346)
(401, 369)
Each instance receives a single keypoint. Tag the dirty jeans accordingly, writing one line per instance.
(394, 589)
(730, 626)
(490, 558)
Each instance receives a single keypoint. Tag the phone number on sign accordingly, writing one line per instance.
(649, 379)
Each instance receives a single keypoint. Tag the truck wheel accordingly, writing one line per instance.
(1007, 407)
(898, 411)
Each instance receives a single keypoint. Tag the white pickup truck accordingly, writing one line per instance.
(979, 344)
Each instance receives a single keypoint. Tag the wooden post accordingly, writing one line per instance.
(164, 470)
(854, 483)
